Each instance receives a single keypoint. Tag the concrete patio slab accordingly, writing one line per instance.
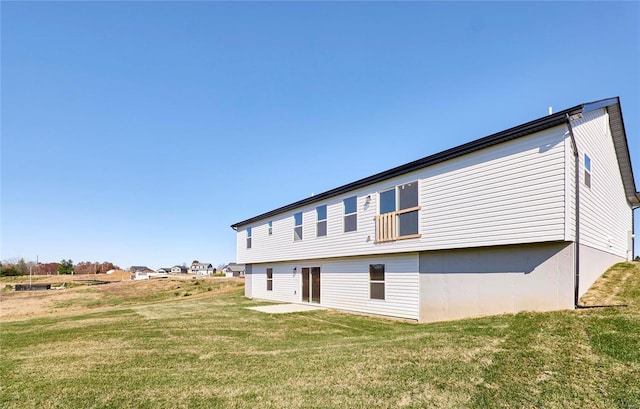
(286, 308)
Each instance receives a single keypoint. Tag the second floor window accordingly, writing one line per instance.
(321, 225)
(587, 170)
(297, 229)
(398, 217)
(248, 237)
(350, 214)
(270, 228)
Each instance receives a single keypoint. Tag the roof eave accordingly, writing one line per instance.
(619, 135)
(528, 128)
(537, 125)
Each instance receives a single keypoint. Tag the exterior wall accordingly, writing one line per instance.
(605, 213)
(505, 279)
(593, 263)
(497, 233)
(510, 193)
(248, 281)
(570, 191)
(344, 284)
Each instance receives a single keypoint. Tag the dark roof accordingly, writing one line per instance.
(537, 125)
(235, 267)
(202, 264)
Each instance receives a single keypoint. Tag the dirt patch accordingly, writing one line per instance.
(79, 293)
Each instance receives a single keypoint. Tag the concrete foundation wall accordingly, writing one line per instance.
(593, 263)
(248, 281)
(475, 282)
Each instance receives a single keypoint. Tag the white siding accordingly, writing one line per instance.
(507, 194)
(285, 284)
(570, 191)
(511, 193)
(344, 284)
(605, 214)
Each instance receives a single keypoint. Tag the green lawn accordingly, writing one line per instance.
(209, 351)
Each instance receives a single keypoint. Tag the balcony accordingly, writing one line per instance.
(398, 225)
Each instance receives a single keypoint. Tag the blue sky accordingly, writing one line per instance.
(138, 132)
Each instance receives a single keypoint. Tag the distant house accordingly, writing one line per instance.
(140, 275)
(164, 270)
(140, 269)
(202, 269)
(233, 270)
(179, 270)
(524, 219)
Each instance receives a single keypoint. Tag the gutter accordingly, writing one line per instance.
(576, 263)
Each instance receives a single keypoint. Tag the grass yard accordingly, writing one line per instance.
(207, 350)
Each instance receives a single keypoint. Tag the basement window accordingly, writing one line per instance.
(269, 279)
(376, 281)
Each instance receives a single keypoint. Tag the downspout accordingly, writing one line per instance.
(576, 263)
(633, 232)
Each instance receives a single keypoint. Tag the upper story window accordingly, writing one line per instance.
(321, 224)
(587, 170)
(350, 214)
(297, 229)
(270, 228)
(248, 237)
(398, 213)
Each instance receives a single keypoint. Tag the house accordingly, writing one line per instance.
(163, 270)
(141, 275)
(233, 270)
(524, 219)
(179, 270)
(140, 269)
(202, 269)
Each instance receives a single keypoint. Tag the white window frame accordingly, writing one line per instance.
(587, 170)
(378, 282)
(297, 237)
(320, 221)
(269, 275)
(388, 223)
(353, 214)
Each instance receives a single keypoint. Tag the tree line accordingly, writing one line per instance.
(20, 267)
